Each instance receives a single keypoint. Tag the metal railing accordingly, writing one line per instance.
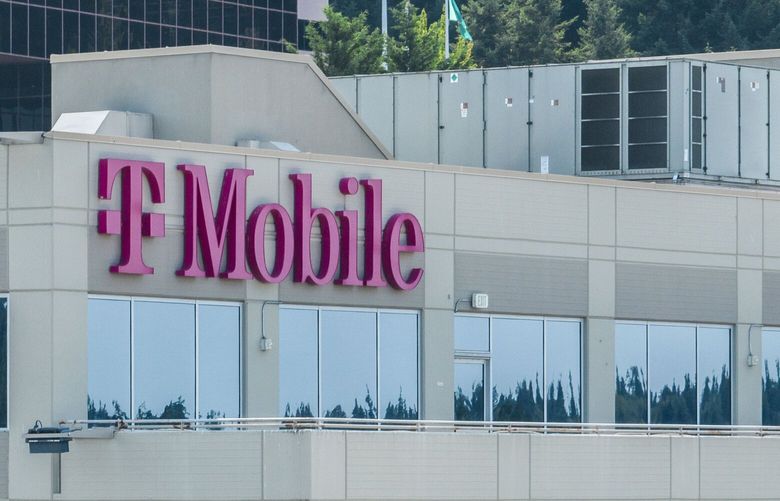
(353, 424)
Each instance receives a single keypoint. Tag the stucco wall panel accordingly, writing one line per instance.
(522, 284)
(676, 221)
(421, 466)
(771, 297)
(586, 467)
(740, 467)
(675, 293)
(520, 208)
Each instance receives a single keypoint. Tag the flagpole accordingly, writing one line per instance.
(446, 29)
(384, 33)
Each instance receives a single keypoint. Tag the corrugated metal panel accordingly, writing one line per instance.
(346, 87)
(506, 114)
(461, 118)
(375, 103)
(754, 109)
(771, 302)
(675, 293)
(552, 108)
(525, 285)
(721, 97)
(416, 117)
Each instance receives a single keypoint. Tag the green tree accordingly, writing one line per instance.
(345, 46)
(487, 20)
(602, 35)
(535, 32)
(414, 45)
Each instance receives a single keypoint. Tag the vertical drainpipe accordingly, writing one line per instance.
(768, 127)
(438, 118)
(530, 122)
(739, 121)
(484, 119)
(395, 115)
(704, 117)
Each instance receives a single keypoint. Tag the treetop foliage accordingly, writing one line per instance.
(520, 32)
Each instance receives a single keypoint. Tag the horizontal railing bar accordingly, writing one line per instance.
(308, 423)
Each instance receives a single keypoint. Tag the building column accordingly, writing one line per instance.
(745, 374)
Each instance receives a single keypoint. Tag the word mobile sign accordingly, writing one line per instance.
(242, 242)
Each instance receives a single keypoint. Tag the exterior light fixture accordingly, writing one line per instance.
(479, 301)
(265, 343)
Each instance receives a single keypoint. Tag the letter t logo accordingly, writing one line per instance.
(131, 222)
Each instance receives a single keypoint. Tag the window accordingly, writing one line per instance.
(647, 117)
(358, 363)
(600, 120)
(531, 366)
(3, 362)
(697, 113)
(770, 380)
(161, 359)
(672, 373)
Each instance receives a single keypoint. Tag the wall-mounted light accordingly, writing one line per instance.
(752, 360)
(265, 343)
(479, 301)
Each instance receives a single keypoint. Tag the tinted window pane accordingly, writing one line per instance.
(297, 362)
(696, 77)
(53, 32)
(19, 32)
(120, 8)
(290, 28)
(152, 11)
(108, 359)
(647, 156)
(563, 372)
(275, 31)
(31, 79)
(261, 23)
(647, 78)
(184, 17)
(215, 16)
(167, 36)
(168, 12)
(87, 33)
(164, 357)
(152, 36)
(348, 344)
(230, 19)
(121, 39)
(517, 370)
(647, 104)
(696, 130)
(137, 10)
(398, 365)
(245, 21)
(199, 14)
(597, 132)
(696, 104)
(3, 363)
(104, 39)
(770, 382)
(647, 130)
(104, 7)
(37, 32)
(603, 80)
(219, 330)
(630, 373)
(600, 158)
(469, 391)
(601, 106)
(199, 37)
(472, 333)
(714, 375)
(696, 156)
(672, 374)
(70, 32)
(136, 35)
(5, 27)
(183, 37)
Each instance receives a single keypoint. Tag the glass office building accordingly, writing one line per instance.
(31, 31)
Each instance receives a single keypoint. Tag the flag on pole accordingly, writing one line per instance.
(453, 14)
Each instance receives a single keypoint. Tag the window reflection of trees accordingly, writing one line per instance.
(770, 386)
(365, 409)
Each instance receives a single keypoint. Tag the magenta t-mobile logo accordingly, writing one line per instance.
(131, 222)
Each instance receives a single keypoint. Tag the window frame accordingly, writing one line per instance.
(377, 314)
(196, 303)
(487, 356)
(7, 297)
(696, 326)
